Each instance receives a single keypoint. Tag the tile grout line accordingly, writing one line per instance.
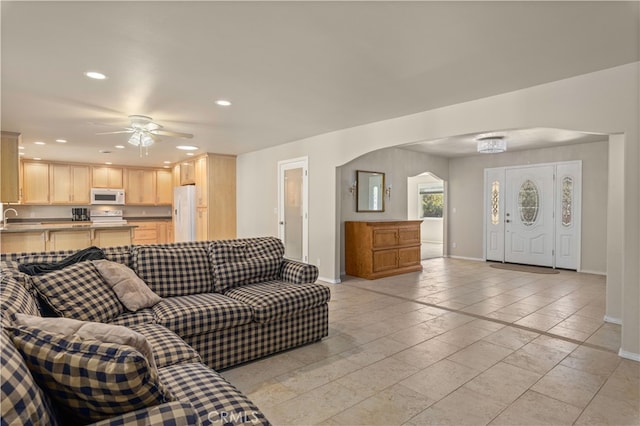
(495, 320)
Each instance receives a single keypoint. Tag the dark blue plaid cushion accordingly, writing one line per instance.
(23, 402)
(168, 347)
(89, 380)
(173, 271)
(129, 319)
(200, 313)
(298, 272)
(214, 399)
(169, 414)
(277, 299)
(240, 262)
(14, 298)
(78, 292)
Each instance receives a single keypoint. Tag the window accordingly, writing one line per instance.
(528, 202)
(430, 201)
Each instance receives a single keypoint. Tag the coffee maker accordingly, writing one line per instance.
(79, 214)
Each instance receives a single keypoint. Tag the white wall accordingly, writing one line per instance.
(466, 183)
(600, 102)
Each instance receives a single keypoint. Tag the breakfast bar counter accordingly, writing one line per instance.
(29, 237)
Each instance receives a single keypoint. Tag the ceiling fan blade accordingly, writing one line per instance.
(171, 134)
(116, 132)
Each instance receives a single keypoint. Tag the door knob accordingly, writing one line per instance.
(281, 223)
(508, 221)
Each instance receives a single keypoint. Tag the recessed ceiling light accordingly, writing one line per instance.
(61, 140)
(40, 143)
(166, 167)
(37, 158)
(190, 153)
(223, 102)
(108, 162)
(21, 147)
(95, 75)
(21, 153)
(120, 146)
(187, 147)
(167, 162)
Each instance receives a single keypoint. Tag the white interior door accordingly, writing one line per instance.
(293, 208)
(529, 211)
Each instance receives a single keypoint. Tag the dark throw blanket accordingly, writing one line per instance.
(39, 268)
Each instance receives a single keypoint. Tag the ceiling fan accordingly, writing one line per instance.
(144, 132)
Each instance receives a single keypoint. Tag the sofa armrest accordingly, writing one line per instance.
(298, 272)
(171, 413)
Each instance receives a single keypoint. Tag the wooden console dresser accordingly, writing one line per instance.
(375, 249)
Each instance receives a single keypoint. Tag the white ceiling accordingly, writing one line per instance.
(291, 69)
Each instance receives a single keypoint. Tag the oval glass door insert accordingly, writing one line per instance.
(528, 202)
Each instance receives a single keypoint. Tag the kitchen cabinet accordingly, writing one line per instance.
(23, 242)
(69, 184)
(202, 224)
(375, 249)
(69, 239)
(112, 237)
(9, 168)
(215, 197)
(145, 233)
(35, 182)
(187, 173)
(140, 186)
(107, 177)
(164, 187)
(165, 231)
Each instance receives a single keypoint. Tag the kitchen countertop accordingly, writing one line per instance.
(69, 226)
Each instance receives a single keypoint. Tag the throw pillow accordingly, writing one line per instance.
(79, 292)
(234, 265)
(173, 271)
(105, 333)
(89, 380)
(131, 290)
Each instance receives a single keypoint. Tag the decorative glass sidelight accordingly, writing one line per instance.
(528, 202)
(495, 202)
(567, 201)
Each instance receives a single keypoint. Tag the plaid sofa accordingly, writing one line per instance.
(223, 303)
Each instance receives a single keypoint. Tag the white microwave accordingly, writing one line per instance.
(107, 196)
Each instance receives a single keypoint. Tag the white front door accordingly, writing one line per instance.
(529, 206)
(293, 207)
(532, 214)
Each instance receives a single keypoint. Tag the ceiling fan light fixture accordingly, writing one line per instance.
(187, 147)
(492, 144)
(95, 75)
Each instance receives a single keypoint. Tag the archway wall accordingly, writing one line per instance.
(397, 164)
(602, 102)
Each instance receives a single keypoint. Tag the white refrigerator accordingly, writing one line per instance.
(184, 213)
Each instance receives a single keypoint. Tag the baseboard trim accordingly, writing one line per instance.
(586, 271)
(465, 258)
(329, 280)
(629, 355)
(613, 320)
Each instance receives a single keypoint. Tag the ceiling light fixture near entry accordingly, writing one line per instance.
(95, 75)
(492, 144)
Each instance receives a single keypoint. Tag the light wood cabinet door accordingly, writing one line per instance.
(165, 231)
(69, 240)
(140, 186)
(202, 193)
(9, 168)
(202, 224)
(164, 187)
(145, 233)
(20, 242)
(112, 237)
(69, 184)
(106, 177)
(187, 173)
(35, 183)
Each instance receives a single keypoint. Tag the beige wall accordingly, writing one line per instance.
(466, 180)
(398, 165)
(599, 102)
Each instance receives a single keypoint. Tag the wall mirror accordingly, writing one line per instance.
(370, 191)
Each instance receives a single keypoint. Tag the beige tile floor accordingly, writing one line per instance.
(459, 344)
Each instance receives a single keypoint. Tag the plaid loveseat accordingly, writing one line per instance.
(223, 303)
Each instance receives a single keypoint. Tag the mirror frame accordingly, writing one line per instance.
(362, 178)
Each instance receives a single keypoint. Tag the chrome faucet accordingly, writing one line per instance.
(4, 216)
